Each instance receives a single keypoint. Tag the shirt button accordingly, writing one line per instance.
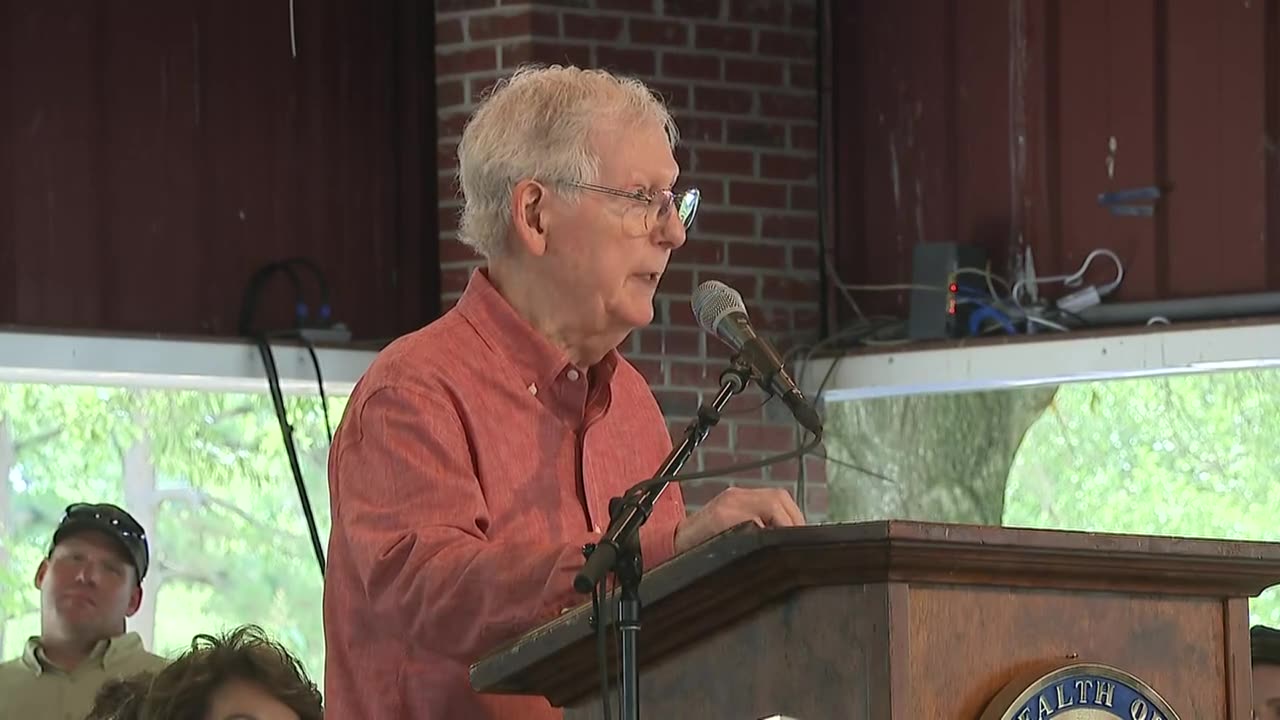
(573, 375)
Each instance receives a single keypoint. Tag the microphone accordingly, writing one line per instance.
(721, 312)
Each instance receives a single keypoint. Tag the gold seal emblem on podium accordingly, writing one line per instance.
(1079, 691)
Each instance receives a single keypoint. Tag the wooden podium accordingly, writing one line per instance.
(898, 619)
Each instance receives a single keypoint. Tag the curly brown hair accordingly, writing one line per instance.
(184, 688)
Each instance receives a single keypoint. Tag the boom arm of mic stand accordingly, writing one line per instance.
(628, 513)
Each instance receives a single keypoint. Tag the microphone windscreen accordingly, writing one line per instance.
(712, 301)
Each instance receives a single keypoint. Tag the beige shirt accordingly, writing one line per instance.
(32, 688)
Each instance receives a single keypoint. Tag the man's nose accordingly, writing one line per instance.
(672, 233)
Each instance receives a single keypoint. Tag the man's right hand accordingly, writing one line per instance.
(766, 507)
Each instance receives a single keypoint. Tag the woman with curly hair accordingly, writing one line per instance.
(241, 675)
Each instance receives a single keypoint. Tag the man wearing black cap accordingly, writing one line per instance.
(89, 583)
(1265, 645)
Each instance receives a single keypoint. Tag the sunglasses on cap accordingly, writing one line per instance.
(112, 521)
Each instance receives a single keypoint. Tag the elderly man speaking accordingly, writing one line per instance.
(478, 454)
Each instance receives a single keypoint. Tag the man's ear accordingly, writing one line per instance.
(41, 570)
(530, 216)
(135, 601)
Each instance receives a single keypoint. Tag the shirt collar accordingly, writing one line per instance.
(503, 330)
(105, 654)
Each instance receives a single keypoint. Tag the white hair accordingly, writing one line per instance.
(537, 124)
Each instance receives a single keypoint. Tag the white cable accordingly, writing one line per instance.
(1047, 323)
(1076, 279)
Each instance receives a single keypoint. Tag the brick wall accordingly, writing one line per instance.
(740, 78)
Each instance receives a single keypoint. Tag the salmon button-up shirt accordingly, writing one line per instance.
(473, 463)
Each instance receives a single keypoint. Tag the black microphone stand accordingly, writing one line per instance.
(619, 549)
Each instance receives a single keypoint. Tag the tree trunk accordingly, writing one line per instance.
(943, 458)
(140, 498)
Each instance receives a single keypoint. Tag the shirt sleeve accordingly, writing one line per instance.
(413, 513)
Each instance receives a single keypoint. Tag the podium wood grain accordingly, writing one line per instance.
(911, 620)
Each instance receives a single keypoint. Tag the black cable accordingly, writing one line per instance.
(643, 485)
(286, 432)
(247, 327)
(324, 399)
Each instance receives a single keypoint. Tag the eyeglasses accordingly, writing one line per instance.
(658, 206)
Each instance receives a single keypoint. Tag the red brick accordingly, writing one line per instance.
(675, 281)
(711, 187)
(493, 27)
(704, 129)
(717, 37)
(802, 76)
(466, 61)
(713, 460)
(727, 162)
(756, 134)
(692, 374)
(684, 155)
(480, 85)
(801, 46)
(761, 195)
(817, 498)
(803, 257)
(650, 369)
(691, 8)
(604, 28)
(746, 283)
(448, 223)
(448, 32)
(787, 288)
(544, 24)
(447, 189)
(450, 92)
(454, 251)
(751, 254)
(789, 105)
(804, 16)
(804, 137)
(765, 12)
(444, 6)
(726, 222)
(685, 65)
(804, 197)
(717, 438)
(454, 279)
(755, 72)
(451, 124)
(678, 403)
(788, 167)
(699, 250)
(627, 60)
(806, 320)
(680, 314)
(765, 438)
(674, 94)
(773, 319)
(670, 341)
(658, 32)
(561, 53)
(790, 227)
(700, 492)
(723, 100)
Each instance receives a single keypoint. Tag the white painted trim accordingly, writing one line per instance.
(1061, 358)
(212, 365)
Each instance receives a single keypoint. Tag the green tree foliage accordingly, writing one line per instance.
(205, 472)
(1190, 456)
